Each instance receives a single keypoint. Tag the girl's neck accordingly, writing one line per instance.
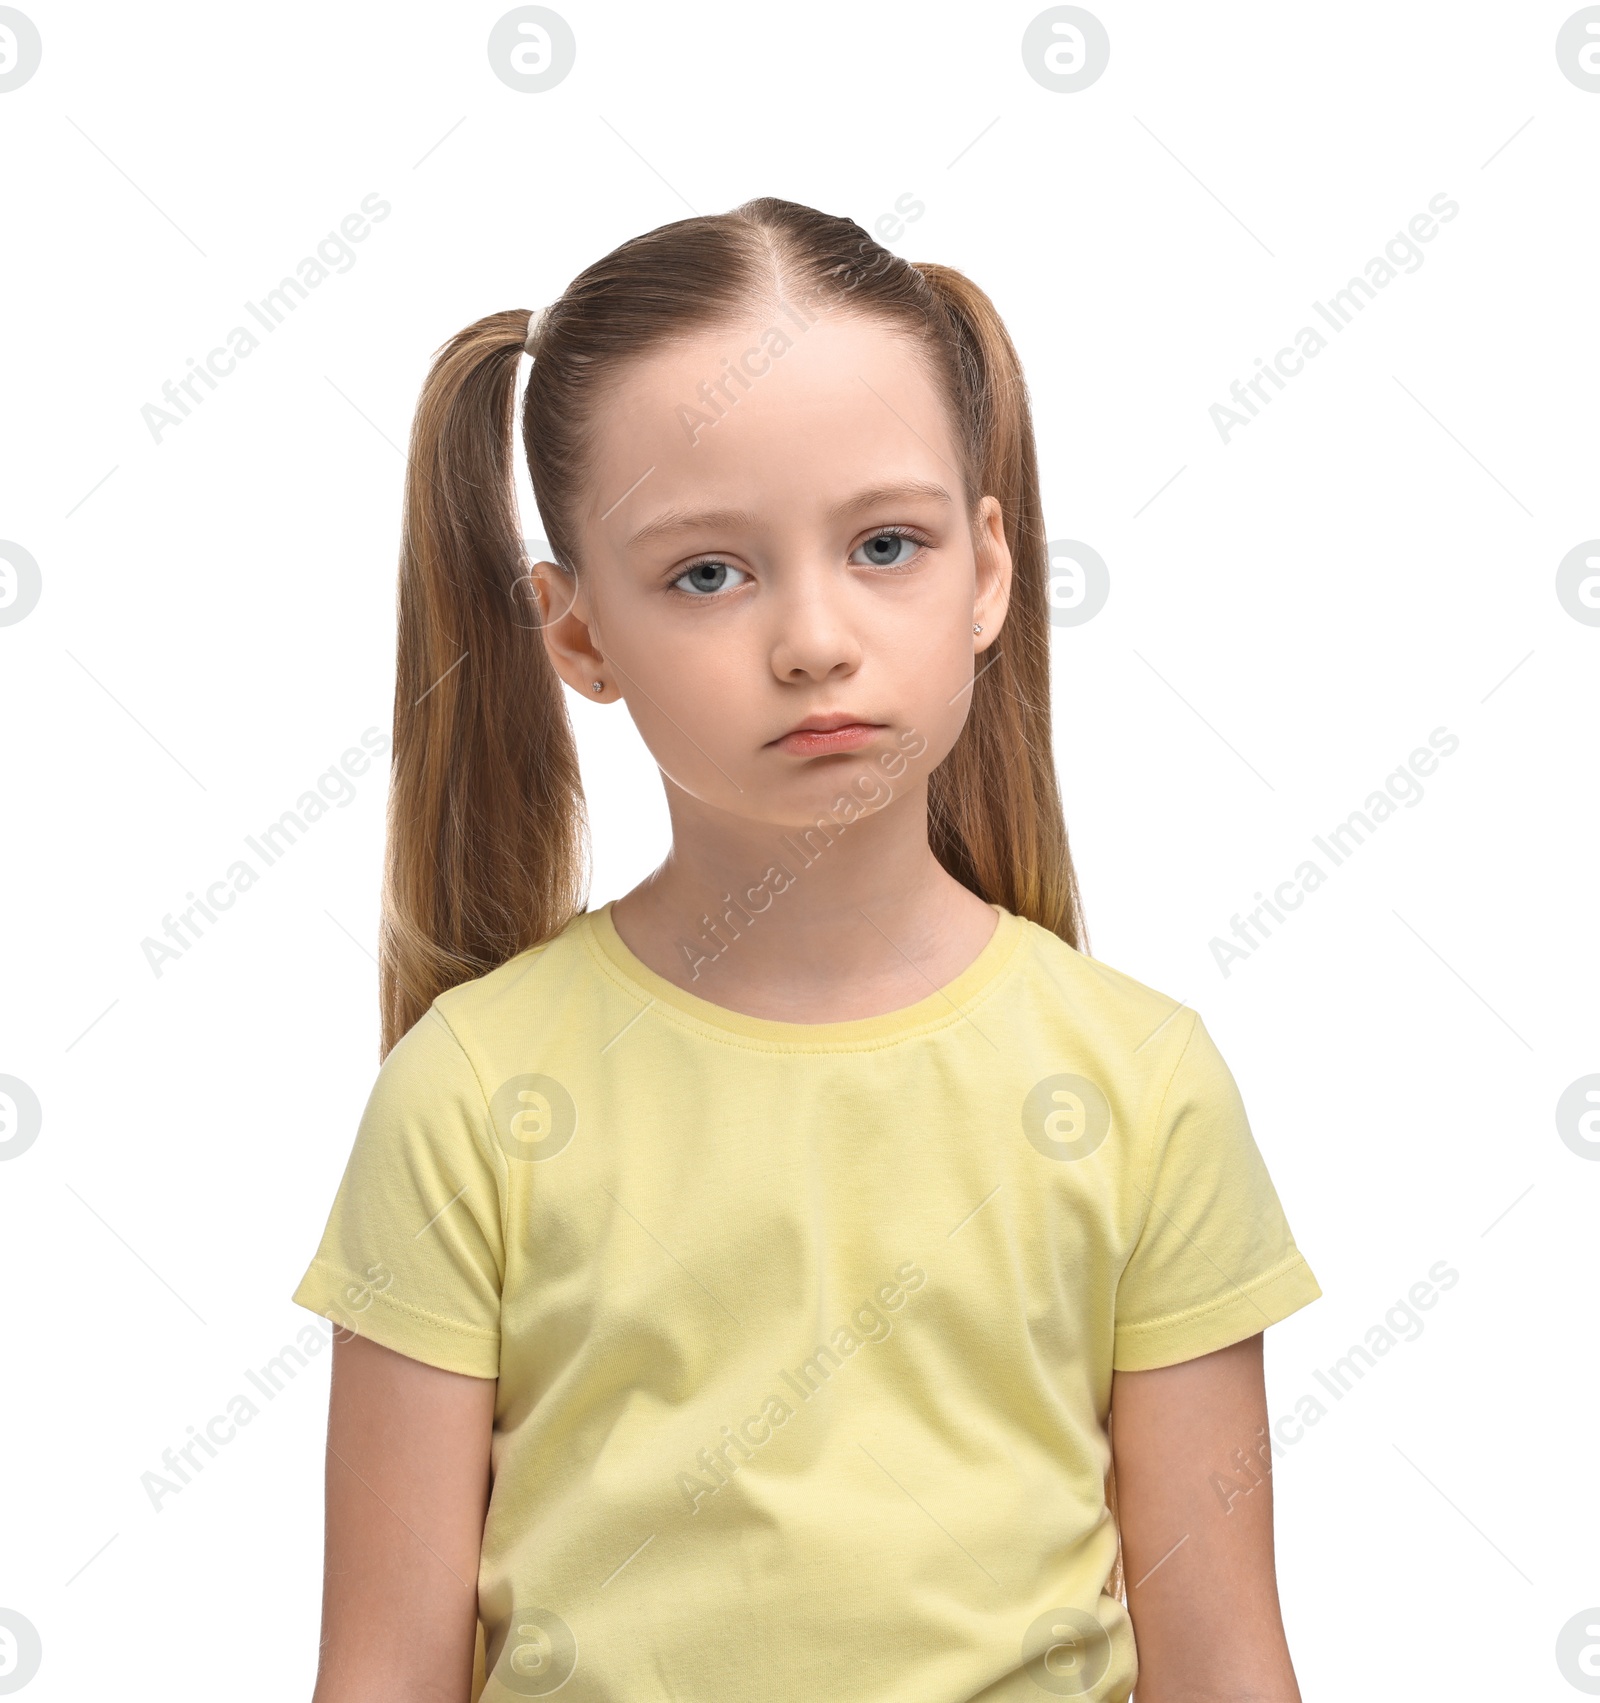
(826, 924)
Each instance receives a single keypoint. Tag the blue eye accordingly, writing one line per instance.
(706, 578)
(883, 547)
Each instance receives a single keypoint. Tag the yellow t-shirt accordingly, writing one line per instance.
(804, 1332)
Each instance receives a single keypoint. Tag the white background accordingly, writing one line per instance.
(1372, 558)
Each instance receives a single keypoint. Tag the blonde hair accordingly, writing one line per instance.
(487, 837)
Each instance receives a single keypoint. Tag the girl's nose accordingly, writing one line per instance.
(813, 638)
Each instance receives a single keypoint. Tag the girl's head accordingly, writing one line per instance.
(786, 477)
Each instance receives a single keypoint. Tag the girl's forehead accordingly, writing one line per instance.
(834, 399)
(818, 351)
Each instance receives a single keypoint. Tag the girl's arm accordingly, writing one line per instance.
(1197, 1554)
(407, 1492)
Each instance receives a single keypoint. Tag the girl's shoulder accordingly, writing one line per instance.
(1086, 990)
(537, 981)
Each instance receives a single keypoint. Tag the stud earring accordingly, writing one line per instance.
(599, 685)
(977, 627)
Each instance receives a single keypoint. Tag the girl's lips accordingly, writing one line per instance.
(821, 742)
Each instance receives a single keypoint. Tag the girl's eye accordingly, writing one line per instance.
(883, 549)
(704, 578)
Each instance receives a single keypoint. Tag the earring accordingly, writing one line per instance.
(599, 685)
(977, 627)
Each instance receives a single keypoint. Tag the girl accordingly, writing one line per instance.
(735, 1282)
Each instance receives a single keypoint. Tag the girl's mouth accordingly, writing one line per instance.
(826, 735)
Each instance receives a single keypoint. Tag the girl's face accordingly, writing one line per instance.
(785, 593)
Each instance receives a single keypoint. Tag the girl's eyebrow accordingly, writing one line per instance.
(681, 520)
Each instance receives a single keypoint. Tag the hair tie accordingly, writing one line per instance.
(535, 320)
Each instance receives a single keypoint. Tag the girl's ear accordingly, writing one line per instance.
(992, 580)
(570, 639)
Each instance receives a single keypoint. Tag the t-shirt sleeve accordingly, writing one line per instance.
(413, 1255)
(1214, 1261)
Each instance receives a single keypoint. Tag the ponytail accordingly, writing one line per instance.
(994, 809)
(486, 844)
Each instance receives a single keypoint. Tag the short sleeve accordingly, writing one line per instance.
(1214, 1261)
(413, 1255)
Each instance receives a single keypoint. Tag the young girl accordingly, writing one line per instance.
(735, 1282)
